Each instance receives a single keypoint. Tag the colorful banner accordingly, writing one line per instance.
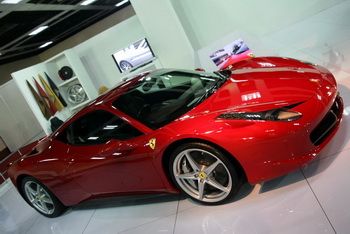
(41, 103)
(55, 90)
(46, 98)
(51, 95)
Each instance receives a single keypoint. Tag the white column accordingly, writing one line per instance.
(165, 33)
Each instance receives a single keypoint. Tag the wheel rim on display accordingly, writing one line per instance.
(76, 94)
(202, 175)
(39, 198)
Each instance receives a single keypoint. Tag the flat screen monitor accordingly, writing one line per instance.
(133, 55)
(231, 53)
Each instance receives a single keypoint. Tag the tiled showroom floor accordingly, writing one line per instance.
(314, 199)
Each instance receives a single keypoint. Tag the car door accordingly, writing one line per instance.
(108, 155)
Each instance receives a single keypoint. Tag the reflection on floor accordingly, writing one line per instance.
(314, 199)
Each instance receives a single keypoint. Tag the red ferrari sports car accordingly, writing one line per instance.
(200, 133)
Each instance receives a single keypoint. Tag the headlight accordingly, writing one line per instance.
(279, 114)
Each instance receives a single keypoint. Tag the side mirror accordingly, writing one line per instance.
(115, 147)
(199, 69)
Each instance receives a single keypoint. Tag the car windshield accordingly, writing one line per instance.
(163, 96)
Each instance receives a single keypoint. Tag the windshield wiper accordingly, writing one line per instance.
(212, 89)
(223, 74)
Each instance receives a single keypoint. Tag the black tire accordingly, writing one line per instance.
(204, 173)
(41, 198)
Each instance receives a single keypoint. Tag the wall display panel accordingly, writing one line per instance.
(227, 43)
(133, 56)
(72, 80)
(57, 87)
(232, 53)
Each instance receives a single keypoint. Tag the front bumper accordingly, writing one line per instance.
(297, 147)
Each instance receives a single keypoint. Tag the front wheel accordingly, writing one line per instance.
(204, 173)
(41, 199)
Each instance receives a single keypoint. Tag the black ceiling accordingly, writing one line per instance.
(64, 18)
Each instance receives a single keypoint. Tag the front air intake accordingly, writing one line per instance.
(326, 126)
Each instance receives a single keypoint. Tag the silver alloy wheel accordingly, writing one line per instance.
(202, 175)
(76, 94)
(39, 197)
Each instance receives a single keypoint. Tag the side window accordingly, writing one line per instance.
(97, 127)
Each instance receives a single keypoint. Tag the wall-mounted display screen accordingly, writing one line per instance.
(134, 55)
(231, 53)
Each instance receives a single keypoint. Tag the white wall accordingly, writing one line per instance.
(96, 53)
(156, 20)
(18, 124)
(163, 27)
(206, 21)
(180, 32)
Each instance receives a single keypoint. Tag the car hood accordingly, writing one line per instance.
(265, 87)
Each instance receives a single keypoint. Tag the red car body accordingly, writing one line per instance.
(263, 149)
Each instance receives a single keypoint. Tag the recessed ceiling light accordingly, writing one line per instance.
(10, 1)
(87, 2)
(38, 30)
(121, 3)
(46, 44)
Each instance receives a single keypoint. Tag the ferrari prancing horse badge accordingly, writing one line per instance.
(152, 143)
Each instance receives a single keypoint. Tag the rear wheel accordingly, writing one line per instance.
(204, 173)
(41, 198)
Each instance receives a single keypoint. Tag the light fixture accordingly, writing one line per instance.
(121, 3)
(38, 30)
(87, 2)
(46, 44)
(10, 1)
